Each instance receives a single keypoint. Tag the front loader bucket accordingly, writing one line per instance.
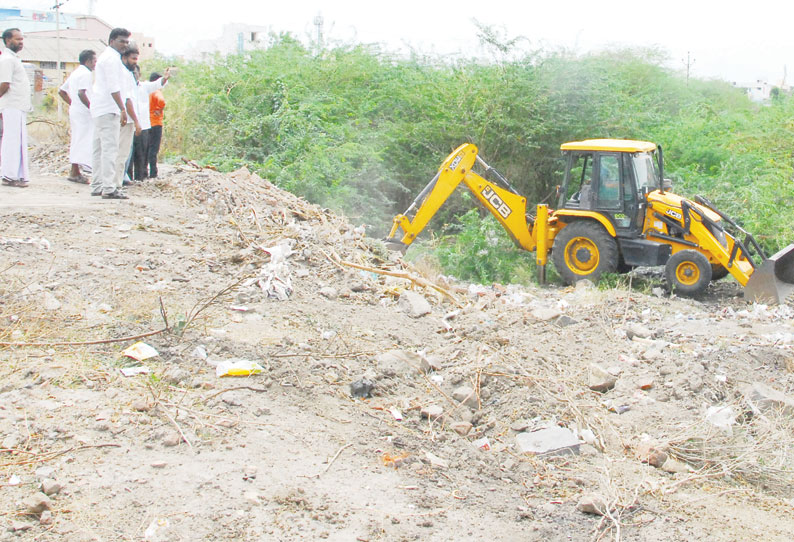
(772, 281)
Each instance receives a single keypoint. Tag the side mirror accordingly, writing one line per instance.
(667, 184)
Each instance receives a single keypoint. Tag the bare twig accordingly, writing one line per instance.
(85, 343)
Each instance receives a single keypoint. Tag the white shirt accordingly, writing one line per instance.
(80, 79)
(144, 89)
(129, 90)
(108, 78)
(13, 72)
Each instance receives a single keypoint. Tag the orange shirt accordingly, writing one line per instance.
(156, 106)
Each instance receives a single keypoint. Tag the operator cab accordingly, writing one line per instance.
(611, 177)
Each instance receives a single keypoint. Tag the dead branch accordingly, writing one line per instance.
(88, 343)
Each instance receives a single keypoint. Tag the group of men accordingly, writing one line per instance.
(116, 119)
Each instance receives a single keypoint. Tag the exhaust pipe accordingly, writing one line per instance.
(772, 281)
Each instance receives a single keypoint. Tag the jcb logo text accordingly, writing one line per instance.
(496, 202)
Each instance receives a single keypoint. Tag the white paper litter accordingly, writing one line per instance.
(140, 351)
(132, 371)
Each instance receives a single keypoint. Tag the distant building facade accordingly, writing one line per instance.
(77, 33)
(235, 38)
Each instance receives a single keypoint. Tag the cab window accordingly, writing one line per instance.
(646, 172)
(609, 182)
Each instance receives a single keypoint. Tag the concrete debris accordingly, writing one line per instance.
(436, 461)
(328, 292)
(544, 314)
(361, 388)
(396, 362)
(637, 330)
(762, 398)
(549, 440)
(37, 503)
(674, 466)
(461, 428)
(414, 304)
(600, 379)
(467, 396)
(432, 412)
(592, 503)
(50, 487)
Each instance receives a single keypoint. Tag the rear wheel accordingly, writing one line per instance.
(584, 250)
(718, 271)
(688, 272)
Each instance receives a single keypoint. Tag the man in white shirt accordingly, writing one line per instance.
(109, 114)
(129, 93)
(15, 103)
(76, 92)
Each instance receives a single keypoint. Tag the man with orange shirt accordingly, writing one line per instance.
(156, 106)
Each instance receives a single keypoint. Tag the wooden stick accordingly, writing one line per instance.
(399, 274)
(335, 457)
(86, 343)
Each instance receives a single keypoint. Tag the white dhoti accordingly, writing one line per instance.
(14, 147)
(82, 126)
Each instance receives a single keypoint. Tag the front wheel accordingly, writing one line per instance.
(688, 272)
(584, 250)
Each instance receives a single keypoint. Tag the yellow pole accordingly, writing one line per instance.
(540, 231)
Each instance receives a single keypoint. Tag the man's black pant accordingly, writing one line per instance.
(140, 151)
(155, 136)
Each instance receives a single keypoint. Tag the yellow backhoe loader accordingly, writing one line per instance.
(615, 211)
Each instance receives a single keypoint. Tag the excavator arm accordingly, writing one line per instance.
(507, 206)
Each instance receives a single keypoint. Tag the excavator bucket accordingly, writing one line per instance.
(773, 280)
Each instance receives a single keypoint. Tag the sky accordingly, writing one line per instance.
(744, 42)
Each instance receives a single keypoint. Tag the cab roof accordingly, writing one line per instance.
(614, 145)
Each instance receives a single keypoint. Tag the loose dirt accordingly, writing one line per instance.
(235, 269)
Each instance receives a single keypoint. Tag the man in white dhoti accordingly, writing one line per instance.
(76, 92)
(109, 114)
(15, 103)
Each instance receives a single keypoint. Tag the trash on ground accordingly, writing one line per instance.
(237, 367)
(132, 371)
(140, 351)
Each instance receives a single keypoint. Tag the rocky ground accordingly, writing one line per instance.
(392, 404)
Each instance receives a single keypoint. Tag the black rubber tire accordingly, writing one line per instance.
(580, 240)
(688, 272)
(718, 272)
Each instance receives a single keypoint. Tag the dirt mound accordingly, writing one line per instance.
(390, 405)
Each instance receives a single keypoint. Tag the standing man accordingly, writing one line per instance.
(15, 103)
(109, 114)
(140, 146)
(75, 91)
(156, 107)
(129, 95)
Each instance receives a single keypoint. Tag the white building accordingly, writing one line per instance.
(236, 38)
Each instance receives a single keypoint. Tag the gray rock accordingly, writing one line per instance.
(50, 487)
(175, 375)
(51, 302)
(172, 438)
(395, 362)
(46, 518)
(361, 388)
(466, 395)
(762, 397)
(328, 292)
(592, 503)
(461, 428)
(695, 383)
(544, 314)
(141, 405)
(674, 466)
(637, 330)
(45, 472)
(600, 380)
(436, 461)
(414, 304)
(38, 503)
(565, 321)
(551, 439)
(432, 412)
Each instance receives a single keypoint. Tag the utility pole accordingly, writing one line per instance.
(318, 22)
(688, 63)
(58, 48)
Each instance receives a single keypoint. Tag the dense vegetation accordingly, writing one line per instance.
(363, 131)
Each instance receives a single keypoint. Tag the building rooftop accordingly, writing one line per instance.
(38, 49)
